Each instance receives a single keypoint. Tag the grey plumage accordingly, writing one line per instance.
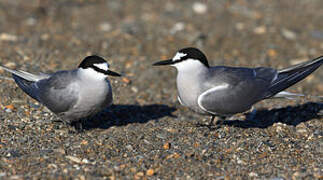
(72, 95)
(223, 90)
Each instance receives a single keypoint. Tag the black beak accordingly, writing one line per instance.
(163, 63)
(111, 73)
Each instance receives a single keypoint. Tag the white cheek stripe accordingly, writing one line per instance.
(211, 90)
(103, 66)
(178, 56)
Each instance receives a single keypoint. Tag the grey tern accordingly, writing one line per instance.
(224, 91)
(73, 95)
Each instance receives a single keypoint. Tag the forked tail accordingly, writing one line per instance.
(290, 76)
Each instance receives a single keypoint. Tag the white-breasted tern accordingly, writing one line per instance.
(72, 94)
(224, 91)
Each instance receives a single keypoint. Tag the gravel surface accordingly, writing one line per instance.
(146, 134)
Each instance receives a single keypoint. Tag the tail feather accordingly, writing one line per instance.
(26, 81)
(290, 76)
(25, 75)
(29, 87)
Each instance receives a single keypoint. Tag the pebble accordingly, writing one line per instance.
(9, 108)
(199, 8)
(134, 89)
(105, 26)
(260, 30)
(8, 37)
(31, 21)
(129, 147)
(253, 174)
(74, 159)
(277, 178)
(139, 175)
(288, 34)
(2, 174)
(10, 65)
(15, 177)
(150, 172)
(177, 27)
(126, 80)
(271, 53)
(240, 26)
(166, 146)
(44, 37)
(85, 161)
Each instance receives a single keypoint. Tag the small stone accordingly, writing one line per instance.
(166, 146)
(240, 26)
(31, 21)
(15, 177)
(84, 142)
(105, 26)
(296, 174)
(126, 80)
(177, 27)
(2, 174)
(128, 64)
(129, 147)
(277, 178)
(10, 65)
(51, 166)
(44, 37)
(134, 89)
(253, 174)
(175, 155)
(196, 145)
(60, 150)
(150, 172)
(74, 159)
(301, 131)
(8, 37)
(199, 8)
(82, 177)
(271, 53)
(139, 175)
(260, 30)
(112, 177)
(288, 34)
(85, 161)
(9, 108)
(320, 87)
(310, 78)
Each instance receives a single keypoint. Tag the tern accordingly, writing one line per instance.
(73, 95)
(224, 91)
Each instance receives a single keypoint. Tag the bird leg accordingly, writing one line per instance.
(213, 125)
(212, 120)
(78, 126)
(217, 124)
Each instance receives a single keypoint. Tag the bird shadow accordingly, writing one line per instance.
(121, 115)
(290, 115)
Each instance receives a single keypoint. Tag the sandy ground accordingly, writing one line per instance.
(146, 134)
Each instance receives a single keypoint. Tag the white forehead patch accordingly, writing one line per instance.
(178, 56)
(103, 66)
